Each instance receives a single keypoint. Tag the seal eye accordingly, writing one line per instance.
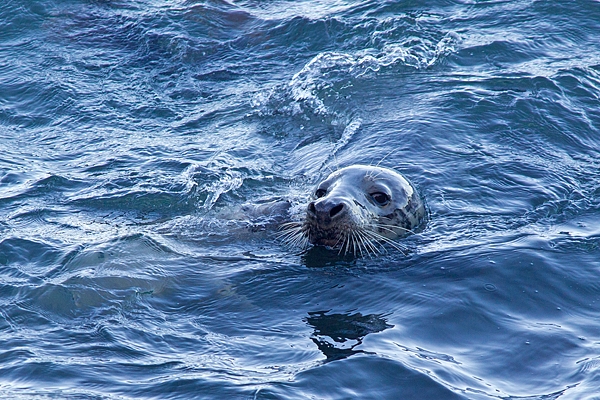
(381, 199)
(320, 193)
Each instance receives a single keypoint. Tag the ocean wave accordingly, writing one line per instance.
(327, 74)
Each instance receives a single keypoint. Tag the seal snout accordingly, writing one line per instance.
(327, 211)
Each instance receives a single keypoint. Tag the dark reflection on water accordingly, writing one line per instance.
(347, 331)
(319, 257)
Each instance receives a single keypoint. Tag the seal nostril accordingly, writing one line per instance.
(311, 208)
(335, 210)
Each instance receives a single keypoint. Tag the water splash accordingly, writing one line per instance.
(328, 74)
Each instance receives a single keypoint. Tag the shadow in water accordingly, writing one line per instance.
(319, 256)
(337, 335)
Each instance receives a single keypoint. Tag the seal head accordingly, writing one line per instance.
(356, 208)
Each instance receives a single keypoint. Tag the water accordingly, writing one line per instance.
(132, 132)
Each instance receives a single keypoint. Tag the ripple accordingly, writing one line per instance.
(133, 135)
(357, 373)
(24, 252)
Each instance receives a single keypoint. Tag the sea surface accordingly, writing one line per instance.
(133, 134)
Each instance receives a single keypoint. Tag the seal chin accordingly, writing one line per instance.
(332, 236)
(332, 243)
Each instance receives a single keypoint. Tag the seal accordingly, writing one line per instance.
(357, 208)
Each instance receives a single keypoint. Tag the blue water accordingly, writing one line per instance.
(132, 133)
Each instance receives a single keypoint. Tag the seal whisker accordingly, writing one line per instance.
(294, 235)
(349, 242)
(297, 238)
(378, 236)
(341, 242)
(304, 243)
(287, 236)
(376, 248)
(341, 238)
(359, 240)
(289, 227)
(368, 242)
(395, 246)
(290, 232)
(353, 240)
(384, 157)
(294, 240)
(286, 225)
(287, 233)
(389, 241)
(346, 245)
(391, 228)
(341, 248)
(363, 243)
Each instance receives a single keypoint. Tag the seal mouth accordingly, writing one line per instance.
(328, 233)
(327, 241)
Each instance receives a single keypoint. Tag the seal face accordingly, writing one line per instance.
(356, 208)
